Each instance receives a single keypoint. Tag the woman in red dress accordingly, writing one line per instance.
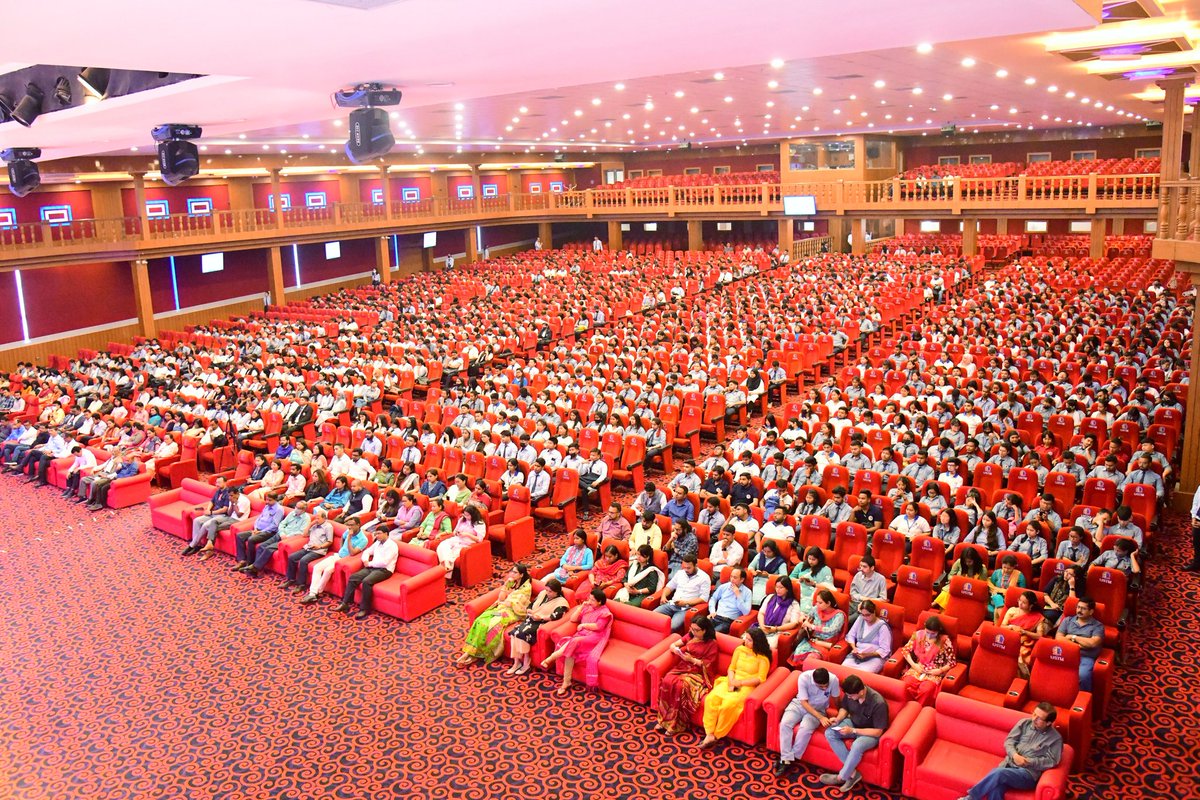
(682, 690)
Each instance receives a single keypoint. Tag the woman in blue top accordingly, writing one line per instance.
(578, 558)
(811, 574)
(433, 486)
(339, 497)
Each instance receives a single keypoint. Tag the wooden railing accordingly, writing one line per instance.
(1084, 194)
(807, 248)
(1179, 211)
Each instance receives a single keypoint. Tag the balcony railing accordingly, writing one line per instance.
(1069, 193)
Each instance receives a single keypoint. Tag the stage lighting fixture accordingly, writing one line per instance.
(29, 107)
(95, 81)
(178, 158)
(6, 108)
(62, 91)
(370, 133)
(23, 174)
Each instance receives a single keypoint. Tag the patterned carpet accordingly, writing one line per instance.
(127, 671)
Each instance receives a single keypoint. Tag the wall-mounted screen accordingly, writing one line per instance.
(212, 262)
(650, 226)
(799, 205)
(430, 239)
(333, 250)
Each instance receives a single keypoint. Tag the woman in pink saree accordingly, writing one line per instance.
(587, 643)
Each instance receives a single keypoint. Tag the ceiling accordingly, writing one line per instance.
(606, 76)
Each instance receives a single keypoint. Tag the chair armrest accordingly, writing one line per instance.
(1018, 694)
(164, 498)
(781, 694)
(921, 735)
(743, 623)
(1053, 783)
(955, 679)
(660, 666)
(900, 726)
(477, 606)
(423, 579)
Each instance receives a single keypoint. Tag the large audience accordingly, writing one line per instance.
(880, 420)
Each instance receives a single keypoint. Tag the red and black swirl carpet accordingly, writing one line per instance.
(127, 671)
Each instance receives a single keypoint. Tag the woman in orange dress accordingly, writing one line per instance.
(1026, 616)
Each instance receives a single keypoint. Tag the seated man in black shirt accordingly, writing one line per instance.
(861, 720)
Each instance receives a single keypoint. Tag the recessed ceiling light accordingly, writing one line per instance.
(241, 136)
(579, 113)
(924, 47)
(458, 106)
(994, 107)
(817, 90)
(1069, 95)
(718, 76)
(947, 96)
(728, 99)
(133, 149)
(1052, 88)
(918, 90)
(1030, 81)
(770, 104)
(595, 101)
(337, 123)
(777, 63)
(772, 84)
(266, 147)
(620, 87)
(1001, 73)
(1085, 100)
(880, 84)
(229, 152)
(968, 62)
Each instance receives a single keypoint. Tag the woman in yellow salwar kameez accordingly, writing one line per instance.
(747, 669)
(485, 639)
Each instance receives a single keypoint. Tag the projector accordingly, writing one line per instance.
(174, 132)
(20, 153)
(367, 95)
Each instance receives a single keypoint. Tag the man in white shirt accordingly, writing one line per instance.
(775, 528)
(379, 562)
(85, 459)
(538, 481)
(688, 587)
(727, 552)
(951, 477)
(360, 468)
(340, 464)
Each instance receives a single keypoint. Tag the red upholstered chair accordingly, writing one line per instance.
(928, 552)
(954, 743)
(849, 540)
(1054, 678)
(750, 726)
(514, 531)
(631, 466)
(124, 492)
(417, 586)
(1024, 482)
(968, 604)
(914, 593)
(561, 507)
(881, 765)
(638, 637)
(993, 668)
(171, 511)
(541, 647)
(1141, 499)
(1110, 589)
(813, 531)
(1100, 492)
(888, 547)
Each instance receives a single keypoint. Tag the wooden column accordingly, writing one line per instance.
(1002, 226)
(1118, 226)
(1099, 227)
(1189, 468)
(139, 199)
(472, 239)
(106, 201)
(970, 237)
(787, 235)
(858, 236)
(275, 272)
(241, 194)
(387, 193)
(614, 237)
(427, 259)
(141, 295)
(383, 259)
(277, 193)
(838, 231)
(1194, 143)
(546, 234)
(695, 230)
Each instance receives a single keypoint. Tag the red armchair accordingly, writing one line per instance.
(171, 511)
(638, 637)
(541, 649)
(515, 528)
(130, 491)
(751, 724)
(417, 586)
(881, 765)
(1054, 678)
(957, 741)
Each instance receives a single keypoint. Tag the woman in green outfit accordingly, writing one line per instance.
(485, 639)
(642, 580)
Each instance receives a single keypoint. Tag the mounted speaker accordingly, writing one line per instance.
(370, 135)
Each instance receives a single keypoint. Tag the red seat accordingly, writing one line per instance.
(561, 506)
(993, 668)
(968, 604)
(954, 743)
(880, 765)
(1054, 678)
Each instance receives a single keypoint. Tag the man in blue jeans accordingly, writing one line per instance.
(1087, 632)
(1032, 747)
(861, 720)
(688, 587)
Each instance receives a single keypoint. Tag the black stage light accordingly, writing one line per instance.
(370, 135)
(178, 158)
(29, 107)
(95, 81)
(62, 91)
(6, 108)
(23, 174)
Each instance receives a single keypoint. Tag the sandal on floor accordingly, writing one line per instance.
(561, 691)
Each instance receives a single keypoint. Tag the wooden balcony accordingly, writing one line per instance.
(33, 244)
(1179, 224)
